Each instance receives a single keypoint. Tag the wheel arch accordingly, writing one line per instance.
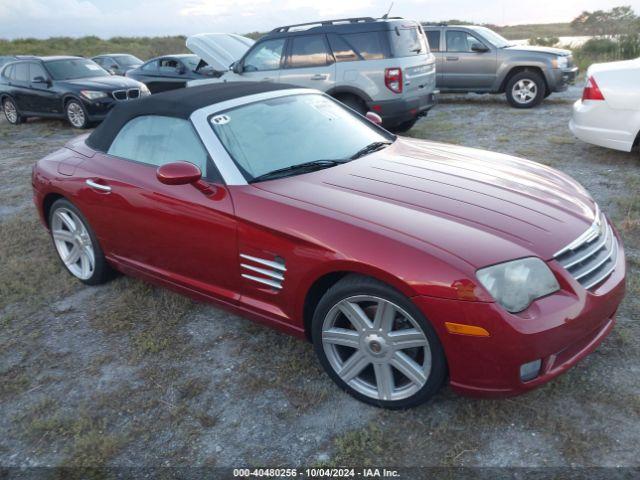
(47, 202)
(336, 92)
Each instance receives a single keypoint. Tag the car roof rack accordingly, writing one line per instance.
(287, 28)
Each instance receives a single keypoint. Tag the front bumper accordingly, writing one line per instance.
(559, 329)
(564, 77)
(98, 109)
(400, 110)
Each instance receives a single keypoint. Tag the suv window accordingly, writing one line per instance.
(8, 72)
(459, 41)
(157, 140)
(408, 41)
(433, 36)
(308, 51)
(342, 51)
(36, 70)
(266, 56)
(20, 72)
(369, 45)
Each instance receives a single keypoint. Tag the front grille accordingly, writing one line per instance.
(591, 258)
(126, 94)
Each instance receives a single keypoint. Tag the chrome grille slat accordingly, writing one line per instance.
(591, 258)
(126, 94)
(263, 271)
(269, 272)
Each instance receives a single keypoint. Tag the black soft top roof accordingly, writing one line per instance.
(180, 103)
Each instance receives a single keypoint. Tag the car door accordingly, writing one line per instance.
(43, 98)
(263, 62)
(149, 75)
(434, 37)
(309, 63)
(173, 232)
(172, 74)
(465, 67)
(19, 86)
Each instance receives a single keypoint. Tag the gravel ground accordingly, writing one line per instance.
(131, 375)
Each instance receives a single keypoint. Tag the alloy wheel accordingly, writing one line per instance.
(73, 243)
(10, 111)
(75, 113)
(376, 348)
(524, 91)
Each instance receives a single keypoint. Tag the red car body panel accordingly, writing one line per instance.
(419, 216)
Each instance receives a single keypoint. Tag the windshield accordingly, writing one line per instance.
(282, 132)
(492, 37)
(128, 60)
(74, 68)
(407, 41)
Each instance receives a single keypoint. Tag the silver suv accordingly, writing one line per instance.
(380, 65)
(477, 59)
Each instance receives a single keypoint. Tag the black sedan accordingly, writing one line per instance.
(74, 88)
(171, 72)
(118, 63)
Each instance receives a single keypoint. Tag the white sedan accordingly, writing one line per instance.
(609, 112)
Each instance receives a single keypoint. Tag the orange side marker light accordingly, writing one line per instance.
(462, 329)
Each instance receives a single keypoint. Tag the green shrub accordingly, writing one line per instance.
(544, 41)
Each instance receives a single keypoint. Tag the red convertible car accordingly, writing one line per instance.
(407, 263)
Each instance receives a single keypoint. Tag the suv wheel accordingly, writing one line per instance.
(353, 103)
(11, 112)
(76, 114)
(376, 344)
(525, 90)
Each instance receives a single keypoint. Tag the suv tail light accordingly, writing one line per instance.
(591, 90)
(393, 79)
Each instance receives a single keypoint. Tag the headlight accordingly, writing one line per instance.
(92, 95)
(561, 62)
(516, 284)
(144, 91)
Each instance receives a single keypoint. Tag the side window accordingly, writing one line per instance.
(368, 45)
(8, 72)
(35, 71)
(153, 65)
(266, 56)
(458, 41)
(20, 72)
(433, 36)
(341, 49)
(169, 65)
(308, 51)
(157, 140)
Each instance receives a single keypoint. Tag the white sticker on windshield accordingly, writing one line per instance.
(93, 67)
(220, 120)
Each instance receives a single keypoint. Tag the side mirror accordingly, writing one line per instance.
(374, 118)
(478, 48)
(237, 67)
(178, 173)
(114, 67)
(40, 79)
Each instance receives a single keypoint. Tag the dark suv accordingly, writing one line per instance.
(74, 88)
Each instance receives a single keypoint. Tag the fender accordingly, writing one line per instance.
(505, 69)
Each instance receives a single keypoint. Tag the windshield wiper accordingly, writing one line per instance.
(299, 168)
(372, 147)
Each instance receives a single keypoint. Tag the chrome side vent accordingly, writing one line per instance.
(265, 272)
(591, 258)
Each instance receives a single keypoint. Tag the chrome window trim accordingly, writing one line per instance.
(229, 171)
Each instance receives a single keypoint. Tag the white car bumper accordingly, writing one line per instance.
(597, 123)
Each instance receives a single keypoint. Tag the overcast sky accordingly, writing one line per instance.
(107, 18)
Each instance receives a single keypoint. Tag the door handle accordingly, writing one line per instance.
(268, 79)
(319, 76)
(97, 186)
(452, 59)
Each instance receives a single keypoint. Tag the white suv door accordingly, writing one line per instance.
(264, 61)
(309, 63)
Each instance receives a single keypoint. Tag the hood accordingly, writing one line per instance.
(560, 52)
(105, 83)
(219, 50)
(479, 206)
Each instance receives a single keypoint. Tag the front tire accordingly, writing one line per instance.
(376, 345)
(525, 90)
(76, 114)
(77, 245)
(11, 112)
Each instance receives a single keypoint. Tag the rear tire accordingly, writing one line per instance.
(404, 126)
(525, 89)
(382, 350)
(353, 103)
(77, 245)
(11, 112)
